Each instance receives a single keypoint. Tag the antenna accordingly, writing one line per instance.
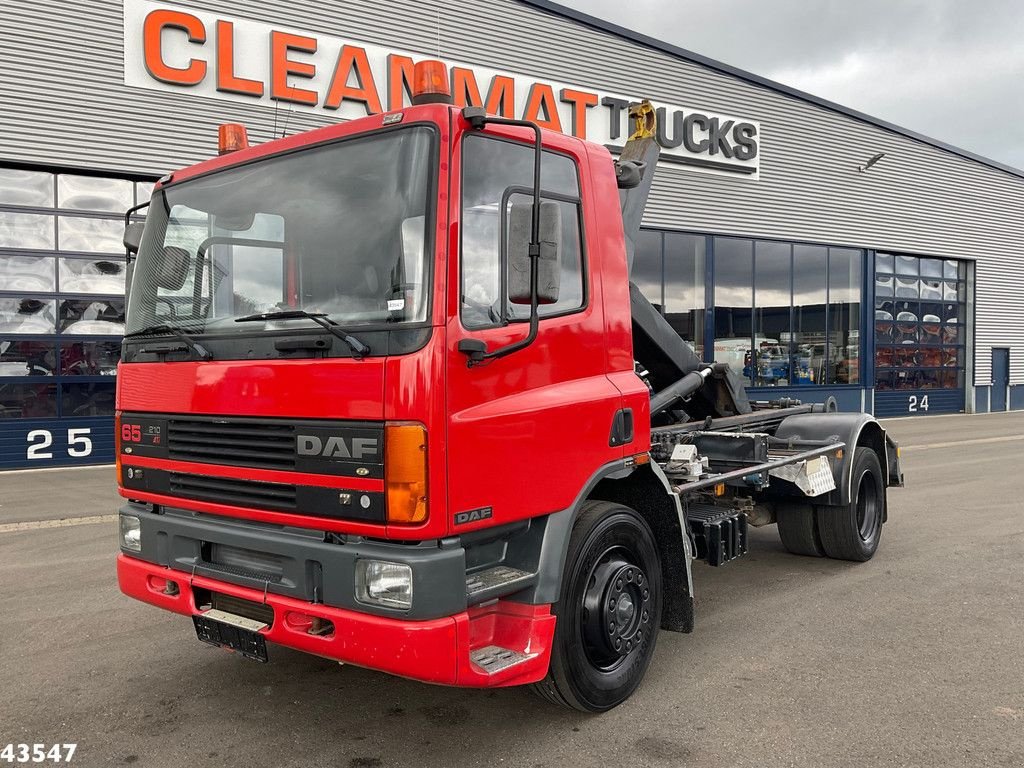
(287, 118)
(277, 103)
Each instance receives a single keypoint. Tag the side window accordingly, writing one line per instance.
(495, 174)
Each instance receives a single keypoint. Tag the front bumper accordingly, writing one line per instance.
(302, 577)
(435, 651)
(298, 562)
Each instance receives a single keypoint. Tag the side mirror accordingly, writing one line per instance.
(173, 268)
(133, 237)
(549, 267)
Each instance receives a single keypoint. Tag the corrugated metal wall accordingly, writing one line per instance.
(62, 100)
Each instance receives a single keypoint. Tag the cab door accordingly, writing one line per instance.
(526, 431)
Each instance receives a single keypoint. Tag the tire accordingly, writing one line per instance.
(798, 529)
(612, 557)
(852, 531)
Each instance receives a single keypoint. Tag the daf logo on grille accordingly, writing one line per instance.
(336, 447)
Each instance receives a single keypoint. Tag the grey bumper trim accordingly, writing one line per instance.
(306, 567)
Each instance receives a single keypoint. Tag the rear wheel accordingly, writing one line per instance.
(609, 611)
(852, 531)
(798, 529)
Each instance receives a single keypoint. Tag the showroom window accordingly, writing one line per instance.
(62, 283)
(734, 302)
(668, 268)
(783, 314)
(772, 321)
(920, 311)
(788, 314)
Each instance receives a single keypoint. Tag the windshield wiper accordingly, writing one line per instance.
(164, 328)
(359, 349)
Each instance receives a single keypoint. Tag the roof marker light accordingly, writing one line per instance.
(231, 137)
(430, 83)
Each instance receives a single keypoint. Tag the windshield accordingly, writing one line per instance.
(340, 229)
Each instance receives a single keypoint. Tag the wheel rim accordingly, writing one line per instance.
(868, 507)
(616, 611)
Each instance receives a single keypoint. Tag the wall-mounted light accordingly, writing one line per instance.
(871, 162)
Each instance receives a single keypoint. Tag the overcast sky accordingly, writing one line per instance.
(949, 69)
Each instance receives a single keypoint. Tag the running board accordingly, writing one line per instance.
(720, 534)
(493, 659)
(496, 581)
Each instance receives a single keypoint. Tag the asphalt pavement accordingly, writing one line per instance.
(915, 658)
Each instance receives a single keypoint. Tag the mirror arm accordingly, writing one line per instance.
(128, 253)
(478, 118)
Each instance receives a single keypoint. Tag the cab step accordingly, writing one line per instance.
(493, 658)
(496, 581)
(720, 534)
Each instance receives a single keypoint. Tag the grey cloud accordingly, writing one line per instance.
(945, 68)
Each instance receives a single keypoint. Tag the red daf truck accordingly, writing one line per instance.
(388, 396)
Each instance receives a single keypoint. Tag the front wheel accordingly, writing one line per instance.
(609, 611)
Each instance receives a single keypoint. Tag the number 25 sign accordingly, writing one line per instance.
(40, 443)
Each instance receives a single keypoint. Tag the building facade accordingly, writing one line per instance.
(818, 251)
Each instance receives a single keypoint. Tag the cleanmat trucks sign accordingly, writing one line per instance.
(189, 51)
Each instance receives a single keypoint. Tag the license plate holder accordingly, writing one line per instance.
(248, 642)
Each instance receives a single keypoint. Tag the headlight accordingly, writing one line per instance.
(383, 583)
(131, 533)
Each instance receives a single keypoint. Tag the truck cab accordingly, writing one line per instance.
(378, 400)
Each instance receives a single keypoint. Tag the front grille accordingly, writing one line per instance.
(341, 448)
(243, 493)
(263, 566)
(249, 574)
(265, 445)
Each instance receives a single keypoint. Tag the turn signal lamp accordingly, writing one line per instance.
(430, 83)
(231, 137)
(405, 472)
